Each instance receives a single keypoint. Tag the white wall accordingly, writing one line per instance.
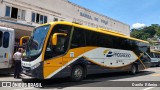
(2, 9)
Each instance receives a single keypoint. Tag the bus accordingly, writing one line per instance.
(155, 58)
(65, 49)
(7, 40)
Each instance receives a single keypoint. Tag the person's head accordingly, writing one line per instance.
(22, 50)
(19, 49)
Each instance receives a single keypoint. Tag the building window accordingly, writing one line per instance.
(45, 19)
(37, 18)
(41, 19)
(8, 9)
(21, 14)
(33, 17)
(15, 13)
(1, 35)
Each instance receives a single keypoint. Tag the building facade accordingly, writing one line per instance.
(24, 15)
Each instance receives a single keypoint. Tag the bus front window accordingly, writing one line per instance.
(62, 41)
(35, 44)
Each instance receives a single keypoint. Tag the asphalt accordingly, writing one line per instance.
(144, 80)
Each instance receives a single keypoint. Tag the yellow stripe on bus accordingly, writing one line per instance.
(52, 65)
(141, 60)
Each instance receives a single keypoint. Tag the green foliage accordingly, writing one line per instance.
(158, 32)
(146, 32)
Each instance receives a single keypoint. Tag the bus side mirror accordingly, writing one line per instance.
(22, 39)
(55, 36)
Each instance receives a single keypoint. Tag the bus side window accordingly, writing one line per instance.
(91, 38)
(78, 38)
(151, 55)
(6, 39)
(1, 35)
(155, 55)
(104, 40)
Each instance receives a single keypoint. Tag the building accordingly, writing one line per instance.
(24, 15)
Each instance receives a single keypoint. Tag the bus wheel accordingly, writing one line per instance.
(158, 65)
(77, 73)
(133, 70)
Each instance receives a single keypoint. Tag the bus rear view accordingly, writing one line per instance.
(7, 39)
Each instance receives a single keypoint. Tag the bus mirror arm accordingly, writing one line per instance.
(54, 37)
(22, 38)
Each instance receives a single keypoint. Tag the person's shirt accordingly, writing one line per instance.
(17, 56)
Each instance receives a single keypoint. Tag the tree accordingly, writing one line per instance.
(146, 32)
(158, 32)
(150, 31)
(136, 34)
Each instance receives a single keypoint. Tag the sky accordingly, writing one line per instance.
(136, 13)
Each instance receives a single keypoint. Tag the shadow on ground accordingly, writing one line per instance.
(87, 82)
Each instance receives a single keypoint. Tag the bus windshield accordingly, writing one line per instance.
(35, 44)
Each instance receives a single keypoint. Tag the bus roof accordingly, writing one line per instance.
(6, 29)
(99, 30)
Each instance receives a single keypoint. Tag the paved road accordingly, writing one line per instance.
(109, 81)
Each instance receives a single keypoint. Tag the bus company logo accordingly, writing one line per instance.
(109, 53)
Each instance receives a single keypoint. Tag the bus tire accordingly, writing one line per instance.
(133, 70)
(158, 65)
(77, 73)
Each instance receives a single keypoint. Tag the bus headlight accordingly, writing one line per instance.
(35, 66)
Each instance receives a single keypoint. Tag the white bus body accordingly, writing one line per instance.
(7, 39)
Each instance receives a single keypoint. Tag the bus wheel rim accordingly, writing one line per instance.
(134, 69)
(78, 73)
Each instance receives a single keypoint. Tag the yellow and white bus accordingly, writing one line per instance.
(155, 58)
(62, 49)
(7, 40)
